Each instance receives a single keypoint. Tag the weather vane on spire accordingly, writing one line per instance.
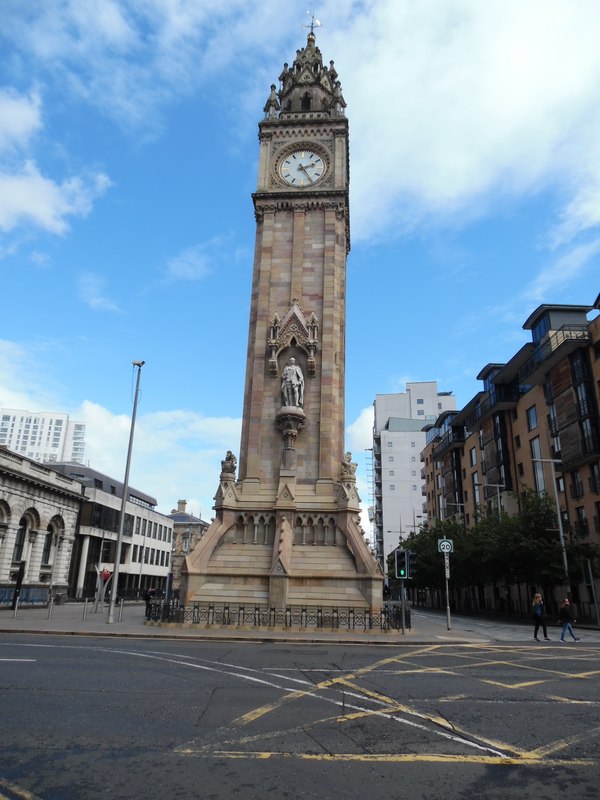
(314, 22)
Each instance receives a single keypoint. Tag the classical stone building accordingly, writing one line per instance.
(187, 532)
(287, 528)
(39, 511)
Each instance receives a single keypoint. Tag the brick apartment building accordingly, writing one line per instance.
(536, 423)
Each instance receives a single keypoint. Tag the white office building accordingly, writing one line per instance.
(45, 436)
(398, 438)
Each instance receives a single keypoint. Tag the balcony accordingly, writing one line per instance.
(587, 451)
(453, 438)
(577, 491)
(581, 528)
(552, 349)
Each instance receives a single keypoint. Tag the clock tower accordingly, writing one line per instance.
(287, 529)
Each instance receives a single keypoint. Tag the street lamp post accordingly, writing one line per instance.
(113, 594)
(561, 533)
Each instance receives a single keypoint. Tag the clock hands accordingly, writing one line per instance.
(305, 171)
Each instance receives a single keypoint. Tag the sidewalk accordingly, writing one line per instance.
(68, 620)
(429, 627)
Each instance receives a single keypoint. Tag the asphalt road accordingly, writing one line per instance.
(91, 717)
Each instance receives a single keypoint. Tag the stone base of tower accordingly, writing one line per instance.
(292, 550)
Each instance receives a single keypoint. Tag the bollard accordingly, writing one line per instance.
(85, 604)
(16, 608)
(121, 609)
(50, 607)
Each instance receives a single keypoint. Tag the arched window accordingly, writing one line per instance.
(20, 540)
(47, 551)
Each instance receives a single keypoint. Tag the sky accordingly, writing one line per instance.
(128, 156)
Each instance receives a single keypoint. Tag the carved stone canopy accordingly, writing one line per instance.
(294, 327)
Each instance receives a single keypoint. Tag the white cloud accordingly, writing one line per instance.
(562, 271)
(29, 198)
(359, 434)
(24, 381)
(457, 105)
(91, 291)
(192, 264)
(175, 455)
(20, 118)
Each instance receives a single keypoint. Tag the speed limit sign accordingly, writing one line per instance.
(445, 546)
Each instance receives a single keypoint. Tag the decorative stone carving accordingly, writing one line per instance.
(228, 467)
(348, 468)
(293, 328)
(272, 106)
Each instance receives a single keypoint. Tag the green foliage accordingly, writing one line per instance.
(520, 549)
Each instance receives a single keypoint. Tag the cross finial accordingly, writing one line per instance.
(314, 22)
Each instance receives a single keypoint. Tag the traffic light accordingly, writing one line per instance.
(402, 564)
(405, 564)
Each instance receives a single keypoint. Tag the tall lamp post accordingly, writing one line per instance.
(113, 594)
(561, 533)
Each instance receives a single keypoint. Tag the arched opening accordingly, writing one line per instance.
(19, 547)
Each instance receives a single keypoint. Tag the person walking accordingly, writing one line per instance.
(565, 618)
(537, 607)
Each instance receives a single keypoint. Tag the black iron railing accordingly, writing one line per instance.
(260, 616)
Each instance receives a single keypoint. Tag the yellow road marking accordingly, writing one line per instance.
(256, 713)
(403, 758)
(514, 685)
(561, 744)
(395, 706)
(17, 791)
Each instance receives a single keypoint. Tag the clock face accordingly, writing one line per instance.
(302, 168)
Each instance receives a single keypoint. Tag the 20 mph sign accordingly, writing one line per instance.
(445, 546)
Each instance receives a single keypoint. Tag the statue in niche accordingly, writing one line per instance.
(292, 385)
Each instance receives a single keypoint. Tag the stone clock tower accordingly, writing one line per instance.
(287, 528)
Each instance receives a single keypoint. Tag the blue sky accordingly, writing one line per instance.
(128, 155)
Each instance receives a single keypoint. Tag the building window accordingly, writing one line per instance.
(520, 470)
(420, 401)
(389, 444)
(420, 413)
(391, 473)
(390, 458)
(392, 487)
(538, 467)
(473, 456)
(517, 441)
(47, 545)
(532, 420)
(20, 541)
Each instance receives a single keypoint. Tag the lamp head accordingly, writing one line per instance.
(138, 363)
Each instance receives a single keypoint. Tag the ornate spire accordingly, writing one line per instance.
(307, 87)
